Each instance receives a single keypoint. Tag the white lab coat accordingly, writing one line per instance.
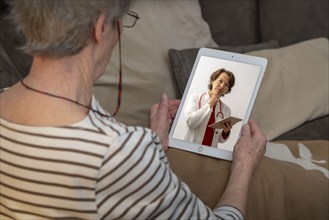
(197, 114)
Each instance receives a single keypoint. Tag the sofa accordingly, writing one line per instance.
(291, 107)
(180, 28)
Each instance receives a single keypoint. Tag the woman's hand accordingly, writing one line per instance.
(161, 117)
(246, 156)
(249, 149)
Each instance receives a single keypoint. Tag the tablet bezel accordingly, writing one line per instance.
(229, 56)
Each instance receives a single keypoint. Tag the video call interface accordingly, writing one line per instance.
(235, 103)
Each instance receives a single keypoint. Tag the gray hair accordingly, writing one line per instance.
(58, 28)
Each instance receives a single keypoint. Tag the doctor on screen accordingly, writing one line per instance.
(204, 109)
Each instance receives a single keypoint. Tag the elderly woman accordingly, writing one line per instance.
(207, 108)
(63, 156)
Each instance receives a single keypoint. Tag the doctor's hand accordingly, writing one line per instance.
(161, 117)
(227, 127)
(214, 99)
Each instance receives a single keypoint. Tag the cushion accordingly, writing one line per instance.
(285, 20)
(146, 68)
(182, 61)
(291, 182)
(8, 73)
(318, 126)
(14, 64)
(232, 23)
(294, 88)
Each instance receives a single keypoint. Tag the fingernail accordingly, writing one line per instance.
(164, 96)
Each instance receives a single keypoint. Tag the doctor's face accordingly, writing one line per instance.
(220, 85)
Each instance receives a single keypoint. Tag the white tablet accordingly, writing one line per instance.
(193, 128)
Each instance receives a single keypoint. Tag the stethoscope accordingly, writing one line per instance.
(220, 107)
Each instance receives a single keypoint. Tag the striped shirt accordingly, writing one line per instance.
(94, 169)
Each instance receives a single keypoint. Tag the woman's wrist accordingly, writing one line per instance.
(236, 192)
(242, 170)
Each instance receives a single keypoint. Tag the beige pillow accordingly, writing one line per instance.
(146, 68)
(294, 88)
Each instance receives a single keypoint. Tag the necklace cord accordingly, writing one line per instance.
(64, 98)
(78, 103)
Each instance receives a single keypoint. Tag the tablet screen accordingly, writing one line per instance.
(212, 97)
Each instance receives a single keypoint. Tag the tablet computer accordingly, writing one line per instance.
(230, 119)
(209, 98)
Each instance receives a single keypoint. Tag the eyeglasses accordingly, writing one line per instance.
(130, 19)
(128, 22)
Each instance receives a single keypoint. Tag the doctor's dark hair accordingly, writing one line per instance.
(217, 73)
(63, 27)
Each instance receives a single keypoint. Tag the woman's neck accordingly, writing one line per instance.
(67, 77)
(63, 78)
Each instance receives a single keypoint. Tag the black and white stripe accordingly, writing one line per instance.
(94, 169)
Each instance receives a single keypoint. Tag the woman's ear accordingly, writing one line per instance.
(100, 27)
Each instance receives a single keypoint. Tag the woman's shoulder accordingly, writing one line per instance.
(110, 125)
(119, 134)
(135, 140)
(123, 129)
(133, 132)
(110, 128)
(116, 136)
